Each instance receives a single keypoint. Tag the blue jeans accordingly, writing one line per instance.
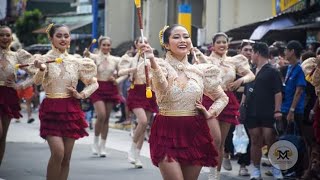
(89, 116)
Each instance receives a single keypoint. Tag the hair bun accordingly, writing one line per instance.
(161, 35)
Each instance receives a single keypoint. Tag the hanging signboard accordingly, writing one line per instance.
(280, 6)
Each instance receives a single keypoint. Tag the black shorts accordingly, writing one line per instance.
(256, 122)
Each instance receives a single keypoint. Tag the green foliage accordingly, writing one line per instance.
(30, 21)
(42, 39)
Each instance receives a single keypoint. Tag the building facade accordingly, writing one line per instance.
(208, 17)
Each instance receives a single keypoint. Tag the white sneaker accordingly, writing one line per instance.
(103, 151)
(138, 164)
(95, 146)
(95, 149)
(131, 155)
(226, 164)
(214, 174)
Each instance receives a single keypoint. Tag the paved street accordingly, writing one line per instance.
(27, 156)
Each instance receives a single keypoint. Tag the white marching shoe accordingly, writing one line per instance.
(132, 153)
(138, 164)
(95, 146)
(103, 149)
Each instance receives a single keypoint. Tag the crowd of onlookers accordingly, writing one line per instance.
(295, 114)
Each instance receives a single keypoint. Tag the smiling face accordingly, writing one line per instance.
(105, 46)
(179, 42)
(220, 46)
(61, 38)
(5, 37)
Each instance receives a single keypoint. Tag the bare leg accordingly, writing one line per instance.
(224, 127)
(268, 136)
(170, 170)
(57, 154)
(215, 133)
(28, 108)
(100, 109)
(191, 172)
(105, 125)
(142, 124)
(68, 147)
(256, 145)
(4, 126)
(141, 138)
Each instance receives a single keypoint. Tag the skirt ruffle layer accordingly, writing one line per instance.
(107, 92)
(186, 140)
(137, 99)
(62, 117)
(9, 103)
(230, 113)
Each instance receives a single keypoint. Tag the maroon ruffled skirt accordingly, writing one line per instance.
(107, 92)
(186, 140)
(230, 113)
(137, 99)
(62, 117)
(9, 103)
(316, 125)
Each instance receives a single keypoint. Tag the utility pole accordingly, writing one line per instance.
(219, 15)
(94, 21)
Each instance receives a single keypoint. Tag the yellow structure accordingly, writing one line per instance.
(184, 16)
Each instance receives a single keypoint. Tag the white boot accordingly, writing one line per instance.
(132, 153)
(103, 150)
(95, 146)
(214, 174)
(138, 163)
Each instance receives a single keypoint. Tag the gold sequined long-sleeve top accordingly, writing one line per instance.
(135, 67)
(312, 73)
(230, 67)
(57, 77)
(107, 66)
(8, 60)
(174, 96)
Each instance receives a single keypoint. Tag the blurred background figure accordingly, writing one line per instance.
(25, 94)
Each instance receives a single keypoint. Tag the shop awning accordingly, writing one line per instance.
(72, 20)
(242, 32)
(71, 27)
(315, 25)
(276, 24)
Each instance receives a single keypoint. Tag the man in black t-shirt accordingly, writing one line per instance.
(263, 100)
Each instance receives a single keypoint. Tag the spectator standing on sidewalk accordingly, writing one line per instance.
(293, 103)
(294, 87)
(107, 95)
(244, 160)
(260, 117)
(61, 117)
(9, 100)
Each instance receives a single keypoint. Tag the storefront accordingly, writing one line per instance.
(294, 19)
